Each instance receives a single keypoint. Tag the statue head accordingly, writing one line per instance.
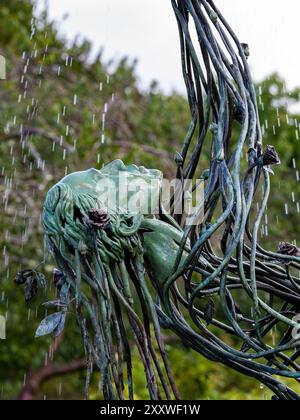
(116, 187)
(126, 193)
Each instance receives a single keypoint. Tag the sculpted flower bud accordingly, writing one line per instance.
(31, 280)
(98, 218)
(246, 49)
(270, 156)
(23, 276)
(59, 278)
(30, 289)
(286, 248)
(178, 159)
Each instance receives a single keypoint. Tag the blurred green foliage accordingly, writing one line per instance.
(56, 86)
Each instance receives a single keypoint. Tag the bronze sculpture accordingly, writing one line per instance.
(104, 254)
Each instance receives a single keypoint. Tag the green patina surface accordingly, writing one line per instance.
(111, 262)
(217, 266)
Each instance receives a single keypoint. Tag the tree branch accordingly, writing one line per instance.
(33, 131)
(37, 378)
(162, 154)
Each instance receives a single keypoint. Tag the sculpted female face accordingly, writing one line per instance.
(127, 193)
(118, 187)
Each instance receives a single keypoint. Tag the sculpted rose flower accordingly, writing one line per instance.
(270, 156)
(98, 218)
(288, 249)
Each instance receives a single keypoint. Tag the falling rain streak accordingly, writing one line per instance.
(29, 148)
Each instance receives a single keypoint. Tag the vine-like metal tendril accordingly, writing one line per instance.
(210, 282)
(221, 93)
